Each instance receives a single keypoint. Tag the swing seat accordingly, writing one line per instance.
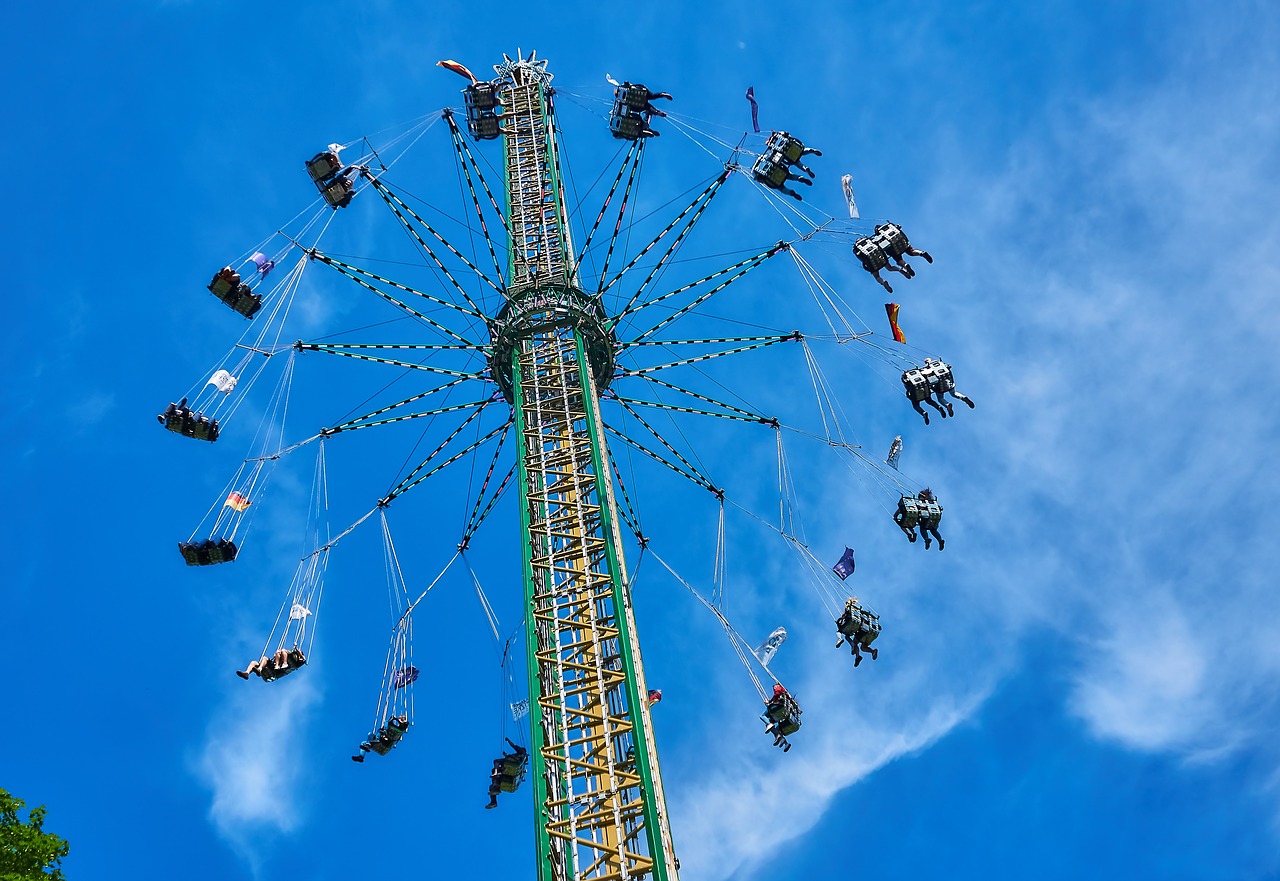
(870, 255)
(323, 166)
(224, 282)
(247, 303)
(792, 149)
(208, 552)
(508, 783)
(634, 96)
(790, 726)
(338, 193)
(480, 97)
(930, 513)
(204, 429)
(769, 173)
(484, 127)
(626, 126)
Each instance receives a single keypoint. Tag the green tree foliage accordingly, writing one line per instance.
(27, 852)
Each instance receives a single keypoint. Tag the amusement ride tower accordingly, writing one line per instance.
(597, 788)
(551, 348)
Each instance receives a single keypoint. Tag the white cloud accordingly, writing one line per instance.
(1109, 482)
(1146, 686)
(252, 759)
(736, 812)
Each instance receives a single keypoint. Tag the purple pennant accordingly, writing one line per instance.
(404, 676)
(844, 568)
(265, 263)
(755, 108)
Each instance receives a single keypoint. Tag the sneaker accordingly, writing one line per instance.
(875, 653)
(857, 659)
(951, 411)
(491, 805)
(941, 544)
(970, 403)
(787, 748)
(242, 674)
(927, 258)
(927, 544)
(926, 418)
(357, 758)
(911, 536)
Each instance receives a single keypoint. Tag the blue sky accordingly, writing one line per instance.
(1082, 682)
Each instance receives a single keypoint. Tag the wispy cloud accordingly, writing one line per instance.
(1121, 412)
(252, 759)
(741, 812)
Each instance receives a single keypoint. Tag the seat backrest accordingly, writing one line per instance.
(634, 95)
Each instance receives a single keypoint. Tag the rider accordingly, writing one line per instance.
(859, 627)
(506, 770)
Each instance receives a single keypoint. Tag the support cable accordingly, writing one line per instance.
(675, 244)
(395, 203)
(740, 646)
(408, 484)
(699, 202)
(466, 161)
(631, 160)
(339, 265)
(627, 439)
(335, 350)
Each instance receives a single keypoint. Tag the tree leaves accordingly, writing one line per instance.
(27, 852)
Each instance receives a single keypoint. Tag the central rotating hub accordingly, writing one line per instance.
(534, 309)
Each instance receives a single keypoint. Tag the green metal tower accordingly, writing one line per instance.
(597, 789)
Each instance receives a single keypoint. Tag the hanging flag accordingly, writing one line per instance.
(404, 676)
(450, 64)
(520, 709)
(265, 264)
(844, 568)
(298, 612)
(755, 109)
(237, 502)
(895, 450)
(655, 695)
(223, 381)
(612, 81)
(846, 183)
(891, 309)
(769, 647)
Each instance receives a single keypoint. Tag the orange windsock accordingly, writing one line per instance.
(460, 70)
(891, 309)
